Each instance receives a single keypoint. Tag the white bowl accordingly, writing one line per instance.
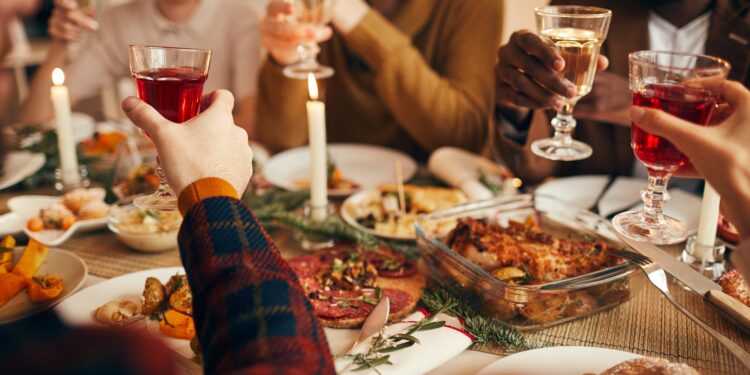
(149, 242)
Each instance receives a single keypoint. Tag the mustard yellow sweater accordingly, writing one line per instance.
(422, 80)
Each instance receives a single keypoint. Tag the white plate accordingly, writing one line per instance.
(366, 165)
(28, 206)
(360, 199)
(11, 223)
(561, 360)
(260, 154)
(80, 308)
(625, 193)
(68, 266)
(19, 165)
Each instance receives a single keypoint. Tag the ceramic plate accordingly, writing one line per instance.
(11, 223)
(19, 165)
(68, 266)
(368, 166)
(625, 193)
(348, 213)
(28, 206)
(79, 309)
(561, 360)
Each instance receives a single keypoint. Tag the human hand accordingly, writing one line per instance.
(209, 145)
(12, 8)
(528, 74)
(608, 101)
(68, 23)
(719, 153)
(281, 38)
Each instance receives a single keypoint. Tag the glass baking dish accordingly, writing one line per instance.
(527, 307)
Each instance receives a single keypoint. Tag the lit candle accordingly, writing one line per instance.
(709, 220)
(316, 122)
(64, 123)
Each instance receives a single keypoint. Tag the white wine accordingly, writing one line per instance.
(313, 12)
(580, 50)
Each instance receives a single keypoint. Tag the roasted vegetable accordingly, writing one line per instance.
(10, 285)
(31, 259)
(43, 288)
(6, 253)
(178, 325)
(180, 297)
(154, 297)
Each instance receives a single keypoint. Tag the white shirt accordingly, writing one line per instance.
(663, 36)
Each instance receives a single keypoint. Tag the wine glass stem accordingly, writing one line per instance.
(308, 53)
(654, 197)
(564, 123)
(162, 181)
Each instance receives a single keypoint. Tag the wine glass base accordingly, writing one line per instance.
(302, 71)
(634, 226)
(166, 201)
(550, 149)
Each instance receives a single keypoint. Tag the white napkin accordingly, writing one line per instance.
(436, 347)
(462, 169)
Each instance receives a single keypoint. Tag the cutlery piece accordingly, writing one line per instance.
(695, 281)
(610, 180)
(129, 321)
(374, 322)
(658, 278)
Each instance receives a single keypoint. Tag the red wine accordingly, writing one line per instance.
(688, 103)
(174, 92)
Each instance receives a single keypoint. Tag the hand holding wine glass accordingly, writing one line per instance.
(69, 22)
(208, 145)
(719, 153)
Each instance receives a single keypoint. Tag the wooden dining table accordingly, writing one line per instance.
(647, 324)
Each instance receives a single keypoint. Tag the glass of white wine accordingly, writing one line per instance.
(309, 13)
(577, 33)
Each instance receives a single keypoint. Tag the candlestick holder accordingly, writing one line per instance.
(311, 241)
(711, 264)
(77, 178)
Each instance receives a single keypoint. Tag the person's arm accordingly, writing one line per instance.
(436, 108)
(250, 312)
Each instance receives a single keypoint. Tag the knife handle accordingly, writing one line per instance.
(736, 309)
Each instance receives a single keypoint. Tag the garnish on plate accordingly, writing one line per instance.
(14, 279)
(336, 179)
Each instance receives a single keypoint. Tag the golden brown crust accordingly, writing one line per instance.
(650, 366)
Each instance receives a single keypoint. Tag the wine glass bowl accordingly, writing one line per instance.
(577, 34)
(170, 80)
(686, 86)
(309, 13)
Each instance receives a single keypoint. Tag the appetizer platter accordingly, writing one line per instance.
(33, 279)
(52, 220)
(379, 211)
(344, 283)
(531, 262)
(158, 299)
(355, 167)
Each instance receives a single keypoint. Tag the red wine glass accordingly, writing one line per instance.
(685, 86)
(170, 80)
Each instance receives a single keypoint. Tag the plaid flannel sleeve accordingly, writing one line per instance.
(250, 312)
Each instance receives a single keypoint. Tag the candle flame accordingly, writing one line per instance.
(312, 86)
(58, 77)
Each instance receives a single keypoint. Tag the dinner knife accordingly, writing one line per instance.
(694, 280)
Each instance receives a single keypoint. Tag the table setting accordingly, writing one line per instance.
(449, 265)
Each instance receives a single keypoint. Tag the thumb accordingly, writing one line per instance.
(143, 115)
(683, 134)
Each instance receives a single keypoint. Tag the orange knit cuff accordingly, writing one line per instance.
(203, 189)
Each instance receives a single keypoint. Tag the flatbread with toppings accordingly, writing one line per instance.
(344, 283)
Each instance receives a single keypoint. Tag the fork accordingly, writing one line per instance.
(129, 321)
(658, 278)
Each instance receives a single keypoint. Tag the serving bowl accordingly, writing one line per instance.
(544, 304)
(156, 233)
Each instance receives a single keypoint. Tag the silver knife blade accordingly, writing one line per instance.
(681, 271)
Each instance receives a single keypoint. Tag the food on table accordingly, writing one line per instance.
(140, 180)
(178, 325)
(6, 253)
(727, 231)
(115, 311)
(23, 276)
(76, 205)
(336, 180)
(734, 284)
(172, 305)
(344, 283)
(154, 297)
(385, 216)
(148, 221)
(650, 366)
(103, 143)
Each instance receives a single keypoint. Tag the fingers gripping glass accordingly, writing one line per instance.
(309, 13)
(577, 34)
(686, 86)
(170, 80)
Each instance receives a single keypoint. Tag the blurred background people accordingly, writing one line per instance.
(228, 27)
(527, 83)
(410, 74)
